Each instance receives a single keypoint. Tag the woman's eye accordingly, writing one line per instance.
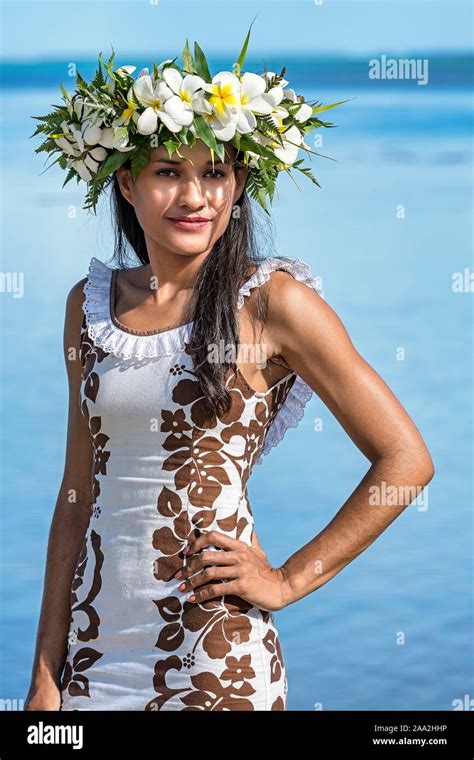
(160, 171)
(216, 173)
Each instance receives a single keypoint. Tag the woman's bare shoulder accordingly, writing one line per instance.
(76, 294)
(74, 312)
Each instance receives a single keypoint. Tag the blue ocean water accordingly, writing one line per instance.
(390, 281)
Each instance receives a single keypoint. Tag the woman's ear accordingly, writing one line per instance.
(124, 179)
(241, 173)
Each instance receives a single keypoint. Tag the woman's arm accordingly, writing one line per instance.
(68, 527)
(312, 339)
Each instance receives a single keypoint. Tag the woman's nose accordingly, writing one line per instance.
(190, 192)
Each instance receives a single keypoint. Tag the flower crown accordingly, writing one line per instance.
(116, 117)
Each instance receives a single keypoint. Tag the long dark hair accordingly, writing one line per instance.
(213, 306)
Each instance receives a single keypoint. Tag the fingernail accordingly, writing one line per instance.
(182, 586)
(191, 598)
(178, 574)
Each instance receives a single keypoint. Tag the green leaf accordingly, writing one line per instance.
(319, 109)
(304, 170)
(171, 146)
(205, 133)
(65, 93)
(112, 163)
(46, 146)
(185, 136)
(201, 67)
(257, 189)
(188, 62)
(108, 65)
(315, 123)
(81, 83)
(139, 158)
(246, 143)
(267, 128)
(56, 161)
(240, 60)
(71, 173)
(99, 80)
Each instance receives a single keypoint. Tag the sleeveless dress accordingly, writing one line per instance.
(165, 472)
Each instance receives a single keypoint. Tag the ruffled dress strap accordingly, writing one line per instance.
(296, 267)
(292, 410)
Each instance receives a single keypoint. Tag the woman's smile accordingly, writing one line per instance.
(189, 223)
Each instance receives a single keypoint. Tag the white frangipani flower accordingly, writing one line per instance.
(86, 146)
(162, 66)
(116, 138)
(180, 106)
(274, 96)
(225, 94)
(126, 70)
(292, 140)
(288, 153)
(303, 113)
(78, 107)
(129, 113)
(224, 103)
(252, 101)
(154, 94)
(291, 95)
(223, 129)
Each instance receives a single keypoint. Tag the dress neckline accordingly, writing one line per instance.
(113, 339)
(124, 328)
(144, 333)
(107, 332)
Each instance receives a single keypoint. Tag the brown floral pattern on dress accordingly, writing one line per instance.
(278, 704)
(92, 630)
(206, 690)
(219, 624)
(90, 354)
(199, 458)
(73, 678)
(272, 643)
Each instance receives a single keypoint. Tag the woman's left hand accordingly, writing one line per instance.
(244, 569)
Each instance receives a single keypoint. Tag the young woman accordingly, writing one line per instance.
(158, 595)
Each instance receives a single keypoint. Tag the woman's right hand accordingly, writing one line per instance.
(43, 694)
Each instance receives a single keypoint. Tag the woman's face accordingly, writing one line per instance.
(171, 188)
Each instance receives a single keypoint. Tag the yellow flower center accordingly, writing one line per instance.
(223, 95)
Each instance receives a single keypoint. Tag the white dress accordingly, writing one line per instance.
(164, 471)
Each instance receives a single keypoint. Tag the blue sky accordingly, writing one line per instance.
(67, 28)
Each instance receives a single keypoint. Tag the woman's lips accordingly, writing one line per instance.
(185, 225)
